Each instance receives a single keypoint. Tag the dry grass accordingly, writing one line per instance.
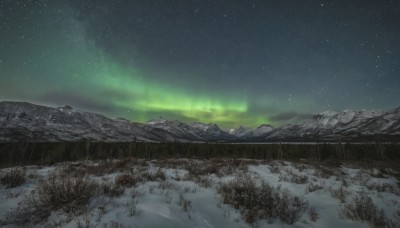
(324, 172)
(383, 187)
(311, 187)
(361, 208)
(185, 203)
(263, 202)
(13, 178)
(71, 191)
(313, 214)
(126, 180)
(274, 168)
(340, 193)
(111, 189)
(68, 194)
(159, 175)
(290, 176)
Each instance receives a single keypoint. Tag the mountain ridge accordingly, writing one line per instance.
(23, 121)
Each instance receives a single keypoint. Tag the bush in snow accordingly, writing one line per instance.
(126, 180)
(159, 175)
(290, 176)
(363, 209)
(68, 194)
(313, 214)
(111, 189)
(263, 202)
(311, 187)
(13, 178)
(340, 193)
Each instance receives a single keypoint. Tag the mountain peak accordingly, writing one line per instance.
(324, 115)
(157, 121)
(67, 109)
(22, 121)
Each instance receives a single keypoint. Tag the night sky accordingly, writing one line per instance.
(228, 62)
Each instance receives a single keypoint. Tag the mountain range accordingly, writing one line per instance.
(22, 121)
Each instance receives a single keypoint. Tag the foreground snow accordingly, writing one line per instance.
(184, 194)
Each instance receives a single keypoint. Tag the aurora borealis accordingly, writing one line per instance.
(227, 62)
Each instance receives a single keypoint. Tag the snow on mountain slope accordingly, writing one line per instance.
(175, 127)
(345, 124)
(21, 121)
(210, 131)
(262, 129)
(244, 133)
(194, 131)
(240, 131)
(29, 122)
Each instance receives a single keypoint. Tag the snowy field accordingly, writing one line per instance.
(199, 193)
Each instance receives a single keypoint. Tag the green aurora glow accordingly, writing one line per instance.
(88, 72)
(67, 67)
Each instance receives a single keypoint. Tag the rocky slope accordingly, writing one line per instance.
(21, 121)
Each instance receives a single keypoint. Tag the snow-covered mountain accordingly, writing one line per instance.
(210, 131)
(21, 121)
(345, 125)
(240, 131)
(175, 127)
(195, 131)
(243, 132)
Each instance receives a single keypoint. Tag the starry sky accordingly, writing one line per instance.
(242, 62)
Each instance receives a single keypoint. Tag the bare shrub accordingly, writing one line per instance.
(262, 202)
(218, 167)
(383, 187)
(203, 180)
(106, 167)
(363, 177)
(192, 189)
(126, 180)
(166, 185)
(290, 176)
(111, 189)
(151, 189)
(68, 194)
(73, 170)
(14, 193)
(396, 223)
(313, 214)
(185, 203)
(291, 207)
(159, 175)
(29, 210)
(376, 173)
(172, 163)
(131, 207)
(340, 193)
(274, 168)
(13, 178)
(300, 167)
(363, 209)
(136, 193)
(311, 187)
(324, 172)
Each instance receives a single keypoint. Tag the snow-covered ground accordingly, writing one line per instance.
(187, 193)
